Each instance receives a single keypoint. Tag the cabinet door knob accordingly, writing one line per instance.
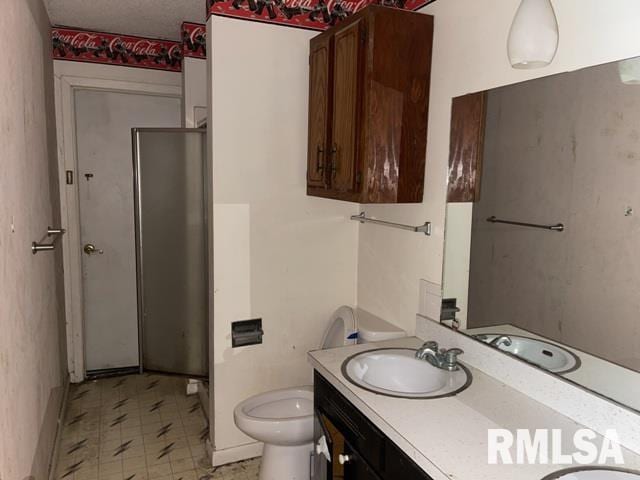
(342, 458)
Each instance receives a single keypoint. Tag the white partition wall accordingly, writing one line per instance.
(279, 255)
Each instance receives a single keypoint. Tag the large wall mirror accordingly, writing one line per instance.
(542, 251)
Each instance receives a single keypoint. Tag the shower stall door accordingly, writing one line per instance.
(171, 249)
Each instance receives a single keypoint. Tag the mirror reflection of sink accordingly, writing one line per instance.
(549, 356)
(595, 473)
(396, 372)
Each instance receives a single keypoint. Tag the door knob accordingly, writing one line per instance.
(90, 249)
(342, 458)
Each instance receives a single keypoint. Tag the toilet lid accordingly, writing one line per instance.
(342, 329)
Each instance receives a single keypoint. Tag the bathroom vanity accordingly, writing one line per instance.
(374, 436)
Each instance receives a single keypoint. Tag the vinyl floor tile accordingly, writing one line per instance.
(134, 427)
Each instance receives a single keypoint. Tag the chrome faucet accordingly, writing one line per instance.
(429, 352)
(501, 340)
(440, 358)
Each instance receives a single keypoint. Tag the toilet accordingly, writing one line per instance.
(283, 419)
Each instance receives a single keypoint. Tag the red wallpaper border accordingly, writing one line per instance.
(113, 49)
(194, 40)
(308, 14)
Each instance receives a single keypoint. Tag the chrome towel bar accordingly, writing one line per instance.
(558, 227)
(46, 247)
(42, 247)
(362, 218)
(55, 231)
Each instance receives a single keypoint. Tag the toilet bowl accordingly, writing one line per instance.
(283, 419)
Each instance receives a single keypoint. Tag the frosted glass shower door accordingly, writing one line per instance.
(171, 249)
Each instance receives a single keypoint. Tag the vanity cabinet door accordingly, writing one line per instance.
(320, 82)
(369, 453)
(346, 94)
(356, 468)
(354, 427)
(399, 465)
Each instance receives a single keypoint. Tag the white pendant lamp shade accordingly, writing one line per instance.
(533, 39)
(630, 71)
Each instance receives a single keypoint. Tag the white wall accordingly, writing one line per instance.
(194, 87)
(469, 56)
(457, 257)
(32, 351)
(115, 73)
(278, 254)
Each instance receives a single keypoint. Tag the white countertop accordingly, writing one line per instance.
(447, 437)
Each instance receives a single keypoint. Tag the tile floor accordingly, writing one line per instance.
(138, 427)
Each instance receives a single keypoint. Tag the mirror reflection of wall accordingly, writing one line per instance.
(562, 149)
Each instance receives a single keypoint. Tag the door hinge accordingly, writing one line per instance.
(69, 176)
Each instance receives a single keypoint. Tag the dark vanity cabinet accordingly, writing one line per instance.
(368, 105)
(358, 449)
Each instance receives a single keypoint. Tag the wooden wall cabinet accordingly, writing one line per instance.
(368, 106)
(468, 118)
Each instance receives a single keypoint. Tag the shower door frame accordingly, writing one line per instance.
(139, 251)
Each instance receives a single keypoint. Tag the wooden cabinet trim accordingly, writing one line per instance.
(320, 104)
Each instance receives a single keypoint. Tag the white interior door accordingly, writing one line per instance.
(105, 189)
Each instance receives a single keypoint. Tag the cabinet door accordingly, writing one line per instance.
(319, 104)
(355, 468)
(468, 115)
(346, 105)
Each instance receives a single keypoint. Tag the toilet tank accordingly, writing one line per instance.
(374, 329)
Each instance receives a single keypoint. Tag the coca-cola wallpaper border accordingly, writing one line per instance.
(194, 40)
(113, 49)
(308, 14)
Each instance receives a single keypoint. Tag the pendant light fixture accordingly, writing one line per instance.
(533, 39)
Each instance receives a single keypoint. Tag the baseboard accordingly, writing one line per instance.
(236, 454)
(53, 462)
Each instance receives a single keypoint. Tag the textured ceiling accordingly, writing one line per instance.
(147, 18)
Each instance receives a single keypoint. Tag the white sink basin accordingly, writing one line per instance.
(594, 474)
(396, 372)
(549, 356)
